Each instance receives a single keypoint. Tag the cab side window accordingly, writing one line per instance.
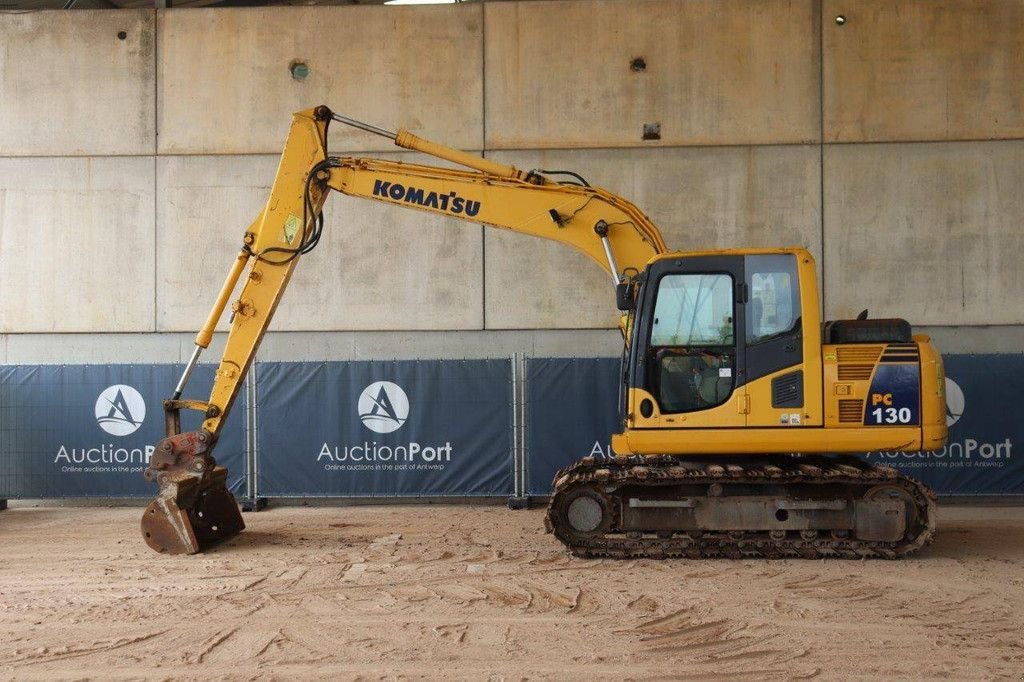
(774, 306)
(692, 342)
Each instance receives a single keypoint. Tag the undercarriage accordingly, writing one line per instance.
(767, 507)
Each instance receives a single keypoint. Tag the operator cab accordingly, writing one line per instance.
(710, 324)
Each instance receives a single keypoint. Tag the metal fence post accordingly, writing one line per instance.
(519, 499)
(252, 501)
(524, 416)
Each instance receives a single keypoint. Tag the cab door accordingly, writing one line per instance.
(688, 358)
(775, 374)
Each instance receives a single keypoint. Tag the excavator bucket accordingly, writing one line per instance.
(194, 509)
(196, 516)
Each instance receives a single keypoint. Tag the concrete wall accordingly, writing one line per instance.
(76, 244)
(701, 197)
(740, 72)
(224, 85)
(910, 70)
(891, 144)
(70, 85)
(353, 281)
(954, 210)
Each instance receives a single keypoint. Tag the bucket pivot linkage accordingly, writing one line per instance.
(193, 509)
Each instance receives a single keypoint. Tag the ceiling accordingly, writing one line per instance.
(16, 5)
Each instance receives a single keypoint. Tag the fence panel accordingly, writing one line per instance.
(89, 430)
(408, 428)
(571, 410)
(982, 392)
(411, 428)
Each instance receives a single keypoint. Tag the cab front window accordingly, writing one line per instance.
(692, 342)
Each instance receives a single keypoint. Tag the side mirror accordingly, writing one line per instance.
(625, 297)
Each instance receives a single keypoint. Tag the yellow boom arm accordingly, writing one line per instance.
(492, 194)
(569, 214)
(610, 230)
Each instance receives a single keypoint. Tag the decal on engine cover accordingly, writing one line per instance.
(894, 398)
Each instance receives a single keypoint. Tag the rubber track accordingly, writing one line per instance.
(667, 470)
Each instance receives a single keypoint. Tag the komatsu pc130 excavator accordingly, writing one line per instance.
(737, 403)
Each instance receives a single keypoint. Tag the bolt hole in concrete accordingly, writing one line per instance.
(638, 64)
(782, 515)
(652, 131)
(840, 20)
(121, 35)
(299, 70)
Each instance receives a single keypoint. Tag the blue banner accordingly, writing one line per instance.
(413, 428)
(572, 409)
(409, 428)
(984, 429)
(89, 430)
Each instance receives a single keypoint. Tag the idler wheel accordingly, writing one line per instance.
(586, 512)
(895, 492)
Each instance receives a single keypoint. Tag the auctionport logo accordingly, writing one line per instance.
(954, 402)
(383, 407)
(120, 410)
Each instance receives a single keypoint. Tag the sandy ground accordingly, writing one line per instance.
(456, 592)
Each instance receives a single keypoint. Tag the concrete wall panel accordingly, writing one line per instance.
(923, 70)
(311, 346)
(736, 72)
(97, 349)
(204, 206)
(76, 244)
(70, 86)
(377, 266)
(225, 84)
(709, 197)
(929, 232)
(439, 345)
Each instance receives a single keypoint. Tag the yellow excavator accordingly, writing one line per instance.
(739, 408)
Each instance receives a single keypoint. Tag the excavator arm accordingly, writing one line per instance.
(193, 508)
(585, 218)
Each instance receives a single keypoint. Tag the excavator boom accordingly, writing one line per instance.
(193, 508)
